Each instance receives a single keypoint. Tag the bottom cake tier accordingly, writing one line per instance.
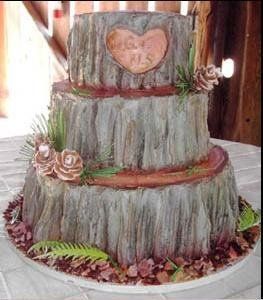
(184, 219)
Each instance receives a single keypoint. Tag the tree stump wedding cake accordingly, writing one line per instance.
(124, 166)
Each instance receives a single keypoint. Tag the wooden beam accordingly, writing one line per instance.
(42, 9)
(82, 7)
(54, 46)
(137, 5)
(216, 46)
(203, 35)
(109, 5)
(250, 89)
(168, 6)
(242, 117)
(61, 28)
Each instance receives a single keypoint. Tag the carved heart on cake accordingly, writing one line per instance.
(138, 54)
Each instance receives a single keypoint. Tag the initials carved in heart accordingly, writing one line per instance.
(138, 54)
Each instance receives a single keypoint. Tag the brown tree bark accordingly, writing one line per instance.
(177, 220)
(91, 61)
(144, 132)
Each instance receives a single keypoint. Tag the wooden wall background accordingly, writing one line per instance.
(225, 29)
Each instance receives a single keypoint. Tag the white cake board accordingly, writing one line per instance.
(130, 289)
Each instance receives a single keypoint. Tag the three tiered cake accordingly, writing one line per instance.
(163, 190)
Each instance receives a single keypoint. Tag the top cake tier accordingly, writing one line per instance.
(128, 50)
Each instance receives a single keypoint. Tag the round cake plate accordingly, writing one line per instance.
(132, 289)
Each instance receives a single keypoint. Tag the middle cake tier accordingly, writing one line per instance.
(143, 132)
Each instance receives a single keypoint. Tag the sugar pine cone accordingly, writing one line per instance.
(68, 166)
(44, 159)
(206, 77)
(40, 139)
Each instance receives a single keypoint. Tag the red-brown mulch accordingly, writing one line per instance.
(148, 271)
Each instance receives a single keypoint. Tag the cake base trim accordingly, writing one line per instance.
(130, 289)
(195, 272)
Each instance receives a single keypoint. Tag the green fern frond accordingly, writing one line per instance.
(248, 218)
(58, 249)
(43, 246)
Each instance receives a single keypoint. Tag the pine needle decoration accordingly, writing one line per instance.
(57, 130)
(80, 92)
(105, 155)
(58, 249)
(54, 128)
(248, 218)
(193, 170)
(39, 126)
(27, 150)
(185, 76)
(88, 173)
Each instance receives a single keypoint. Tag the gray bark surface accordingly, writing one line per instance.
(176, 220)
(146, 132)
(90, 63)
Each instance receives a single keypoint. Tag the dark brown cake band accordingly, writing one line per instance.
(217, 159)
(107, 92)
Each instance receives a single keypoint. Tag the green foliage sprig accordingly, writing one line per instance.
(27, 150)
(248, 218)
(91, 171)
(39, 126)
(193, 170)
(105, 155)
(80, 92)
(16, 214)
(57, 130)
(88, 173)
(53, 128)
(185, 76)
(176, 269)
(59, 249)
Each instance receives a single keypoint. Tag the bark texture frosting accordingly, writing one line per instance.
(44, 159)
